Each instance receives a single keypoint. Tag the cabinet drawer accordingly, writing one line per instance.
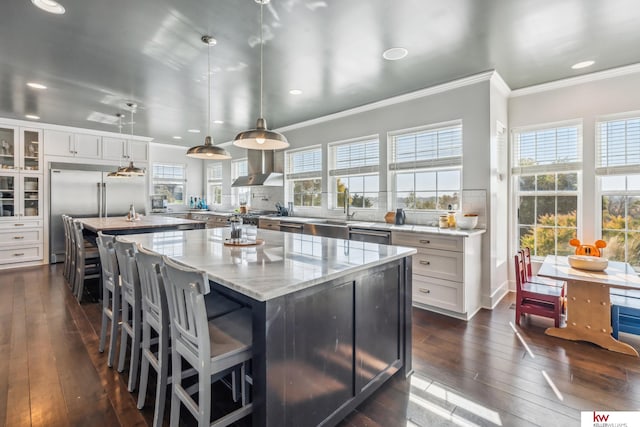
(430, 241)
(19, 225)
(270, 224)
(20, 254)
(441, 264)
(438, 293)
(21, 237)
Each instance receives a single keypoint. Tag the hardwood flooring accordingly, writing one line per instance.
(466, 373)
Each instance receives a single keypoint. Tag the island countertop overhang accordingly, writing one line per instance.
(284, 264)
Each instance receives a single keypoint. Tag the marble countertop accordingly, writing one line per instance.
(285, 263)
(122, 223)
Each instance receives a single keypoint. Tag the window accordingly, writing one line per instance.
(546, 167)
(241, 195)
(354, 168)
(618, 166)
(426, 167)
(214, 183)
(169, 179)
(304, 177)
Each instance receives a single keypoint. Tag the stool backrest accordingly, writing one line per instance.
(520, 271)
(186, 288)
(129, 277)
(109, 263)
(154, 298)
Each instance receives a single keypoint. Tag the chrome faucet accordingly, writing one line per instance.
(346, 205)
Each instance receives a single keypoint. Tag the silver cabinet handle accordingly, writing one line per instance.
(425, 262)
(18, 237)
(18, 225)
(427, 242)
(19, 254)
(425, 290)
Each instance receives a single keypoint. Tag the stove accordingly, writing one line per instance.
(252, 217)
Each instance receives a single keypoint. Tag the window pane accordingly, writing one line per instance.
(545, 241)
(615, 249)
(527, 183)
(426, 181)
(527, 238)
(405, 200)
(633, 182)
(174, 192)
(546, 210)
(633, 213)
(449, 180)
(613, 183)
(567, 208)
(613, 212)
(404, 182)
(425, 200)
(526, 210)
(546, 182)
(356, 184)
(371, 183)
(564, 237)
(567, 181)
(446, 199)
(633, 249)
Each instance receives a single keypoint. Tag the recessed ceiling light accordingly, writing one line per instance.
(177, 137)
(583, 64)
(35, 85)
(50, 6)
(218, 122)
(295, 92)
(32, 117)
(193, 130)
(395, 53)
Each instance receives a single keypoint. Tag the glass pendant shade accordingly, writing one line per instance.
(208, 151)
(261, 138)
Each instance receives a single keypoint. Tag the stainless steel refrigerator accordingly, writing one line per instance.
(86, 191)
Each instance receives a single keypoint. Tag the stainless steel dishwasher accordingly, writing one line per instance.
(290, 227)
(371, 236)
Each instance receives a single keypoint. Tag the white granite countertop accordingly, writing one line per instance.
(122, 223)
(285, 263)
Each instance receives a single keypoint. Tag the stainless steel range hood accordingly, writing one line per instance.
(260, 166)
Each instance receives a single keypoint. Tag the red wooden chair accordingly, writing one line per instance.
(526, 254)
(535, 298)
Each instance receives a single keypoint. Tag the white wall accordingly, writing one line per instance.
(586, 101)
(159, 152)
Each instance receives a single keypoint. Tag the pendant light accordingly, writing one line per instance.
(208, 151)
(118, 172)
(131, 170)
(261, 138)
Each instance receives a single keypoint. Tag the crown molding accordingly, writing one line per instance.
(444, 87)
(572, 81)
(500, 84)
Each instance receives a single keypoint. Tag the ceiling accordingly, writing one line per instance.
(101, 54)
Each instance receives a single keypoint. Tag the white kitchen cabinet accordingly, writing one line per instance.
(446, 271)
(122, 149)
(67, 144)
(20, 149)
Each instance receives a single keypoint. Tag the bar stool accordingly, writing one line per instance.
(87, 261)
(213, 347)
(110, 294)
(130, 307)
(67, 248)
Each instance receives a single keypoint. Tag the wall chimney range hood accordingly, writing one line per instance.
(260, 166)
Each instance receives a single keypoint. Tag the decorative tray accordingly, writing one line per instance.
(228, 242)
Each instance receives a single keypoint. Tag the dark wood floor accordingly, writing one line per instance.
(466, 373)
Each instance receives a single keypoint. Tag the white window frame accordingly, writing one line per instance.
(518, 170)
(214, 181)
(352, 172)
(292, 177)
(623, 170)
(240, 194)
(433, 165)
(156, 180)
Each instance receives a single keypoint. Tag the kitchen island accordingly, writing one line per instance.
(331, 317)
(145, 224)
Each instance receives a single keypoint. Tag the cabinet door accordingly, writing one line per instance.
(8, 196)
(138, 151)
(58, 143)
(8, 148)
(87, 146)
(31, 192)
(30, 151)
(114, 148)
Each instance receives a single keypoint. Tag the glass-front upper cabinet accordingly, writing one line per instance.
(30, 154)
(8, 196)
(8, 148)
